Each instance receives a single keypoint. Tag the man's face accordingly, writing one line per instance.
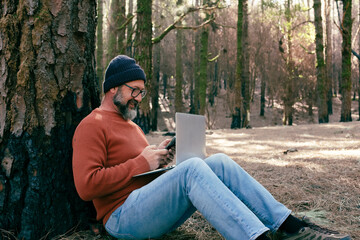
(124, 100)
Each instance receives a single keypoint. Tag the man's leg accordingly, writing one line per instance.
(270, 212)
(166, 202)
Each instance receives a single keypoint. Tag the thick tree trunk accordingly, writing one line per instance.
(346, 63)
(322, 90)
(48, 84)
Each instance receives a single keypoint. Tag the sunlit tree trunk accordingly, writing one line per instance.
(322, 91)
(346, 63)
(143, 54)
(47, 85)
(99, 44)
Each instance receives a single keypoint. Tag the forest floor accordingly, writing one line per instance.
(314, 169)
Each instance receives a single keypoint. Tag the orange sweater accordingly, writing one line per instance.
(106, 154)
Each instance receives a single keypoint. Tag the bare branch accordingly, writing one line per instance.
(190, 10)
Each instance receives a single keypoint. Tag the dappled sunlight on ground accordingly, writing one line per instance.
(313, 169)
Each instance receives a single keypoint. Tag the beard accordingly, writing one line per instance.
(124, 107)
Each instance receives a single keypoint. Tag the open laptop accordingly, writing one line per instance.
(190, 140)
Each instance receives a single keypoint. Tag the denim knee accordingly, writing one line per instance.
(219, 159)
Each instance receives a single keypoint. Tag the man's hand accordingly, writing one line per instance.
(155, 156)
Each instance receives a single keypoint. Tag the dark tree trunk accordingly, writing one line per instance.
(346, 83)
(322, 86)
(143, 54)
(48, 84)
(236, 112)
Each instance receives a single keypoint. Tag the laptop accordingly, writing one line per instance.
(190, 140)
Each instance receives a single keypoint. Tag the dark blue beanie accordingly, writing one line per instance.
(122, 69)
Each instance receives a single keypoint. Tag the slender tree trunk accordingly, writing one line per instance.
(203, 69)
(156, 79)
(346, 83)
(99, 44)
(246, 68)
(196, 102)
(143, 54)
(48, 84)
(359, 74)
(179, 73)
(129, 31)
(236, 114)
(288, 95)
(329, 59)
(322, 90)
(112, 32)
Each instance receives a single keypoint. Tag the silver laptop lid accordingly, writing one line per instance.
(190, 136)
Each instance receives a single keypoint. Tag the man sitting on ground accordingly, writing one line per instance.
(109, 149)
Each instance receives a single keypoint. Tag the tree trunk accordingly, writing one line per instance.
(288, 97)
(329, 59)
(246, 68)
(179, 73)
(203, 69)
(194, 108)
(48, 84)
(322, 91)
(236, 114)
(129, 31)
(99, 44)
(156, 81)
(359, 75)
(143, 54)
(346, 63)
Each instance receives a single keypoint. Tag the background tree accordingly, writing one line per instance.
(346, 83)
(143, 54)
(99, 44)
(322, 90)
(48, 84)
(238, 106)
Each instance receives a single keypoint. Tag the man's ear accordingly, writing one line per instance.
(113, 90)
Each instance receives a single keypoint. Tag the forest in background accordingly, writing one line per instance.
(296, 51)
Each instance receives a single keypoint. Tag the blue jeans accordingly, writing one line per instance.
(228, 197)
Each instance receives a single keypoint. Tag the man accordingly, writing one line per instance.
(109, 149)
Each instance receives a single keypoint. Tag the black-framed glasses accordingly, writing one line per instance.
(135, 91)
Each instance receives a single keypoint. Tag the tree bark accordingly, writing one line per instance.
(322, 90)
(245, 76)
(99, 44)
(329, 53)
(48, 84)
(346, 63)
(288, 97)
(143, 54)
(236, 114)
(179, 73)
